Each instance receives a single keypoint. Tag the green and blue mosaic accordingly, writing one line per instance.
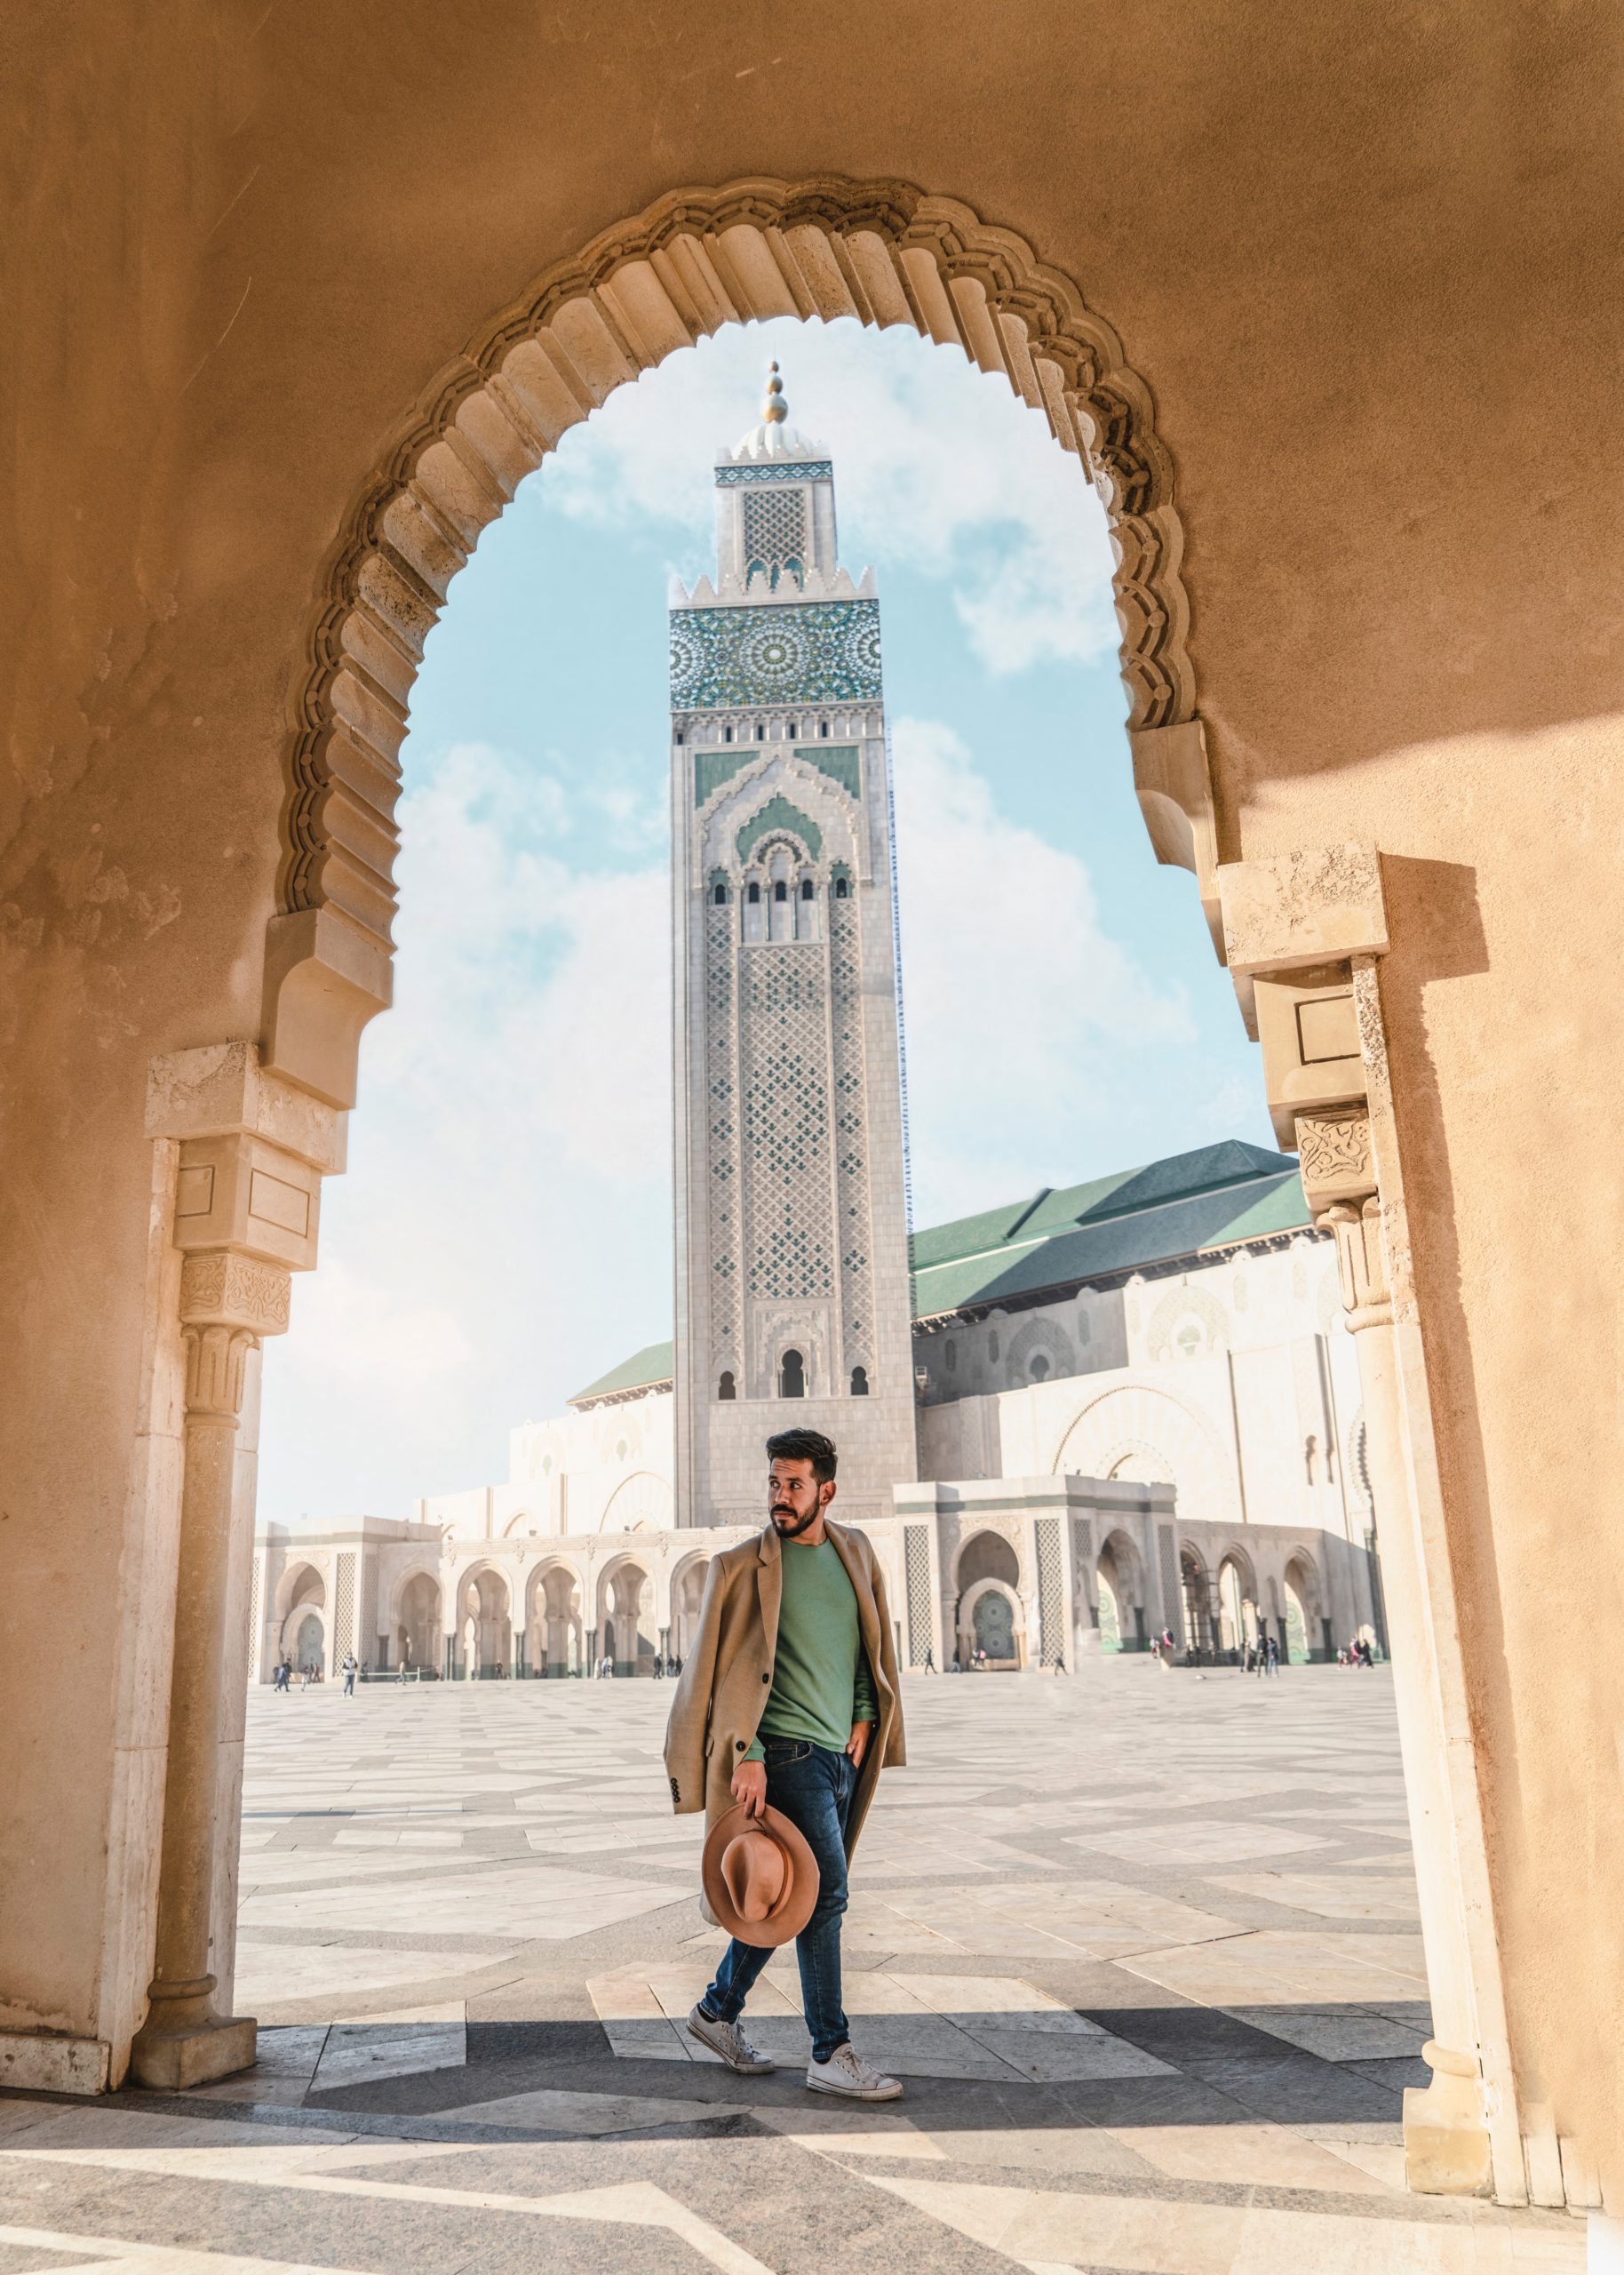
(778, 817)
(818, 652)
(842, 762)
(728, 478)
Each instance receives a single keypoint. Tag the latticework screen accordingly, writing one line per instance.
(1051, 1590)
(916, 1556)
(343, 1605)
(790, 1249)
(775, 528)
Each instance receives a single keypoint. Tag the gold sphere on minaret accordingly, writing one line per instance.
(774, 410)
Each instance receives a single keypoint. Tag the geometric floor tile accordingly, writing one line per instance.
(1141, 1948)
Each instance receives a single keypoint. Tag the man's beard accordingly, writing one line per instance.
(797, 1525)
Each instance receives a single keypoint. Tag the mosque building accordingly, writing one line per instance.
(1068, 1424)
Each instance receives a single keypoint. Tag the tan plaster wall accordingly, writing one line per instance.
(1368, 267)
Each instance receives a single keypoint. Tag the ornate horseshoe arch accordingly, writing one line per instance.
(882, 251)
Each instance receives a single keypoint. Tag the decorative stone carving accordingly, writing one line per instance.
(1334, 1153)
(220, 1288)
(884, 253)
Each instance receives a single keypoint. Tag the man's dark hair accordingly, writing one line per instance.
(805, 1445)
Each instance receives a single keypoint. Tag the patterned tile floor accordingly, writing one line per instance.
(1142, 1946)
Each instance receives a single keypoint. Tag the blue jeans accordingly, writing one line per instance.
(813, 1787)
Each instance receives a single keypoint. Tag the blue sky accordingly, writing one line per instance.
(504, 1233)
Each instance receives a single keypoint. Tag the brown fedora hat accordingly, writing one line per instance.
(760, 1875)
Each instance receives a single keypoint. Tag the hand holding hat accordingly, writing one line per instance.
(761, 1876)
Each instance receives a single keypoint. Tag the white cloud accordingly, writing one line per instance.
(506, 1225)
(361, 1332)
(957, 482)
(1019, 1009)
(531, 994)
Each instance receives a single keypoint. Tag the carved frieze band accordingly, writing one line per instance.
(881, 252)
(220, 1288)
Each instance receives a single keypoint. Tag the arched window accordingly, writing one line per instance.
(724, 1388)
(781, 891)
(760, 734)
(859, 1382)
(791, 1375)
(842, 890)
(718, 894)
(754, 893)
(1038, 1367)
(822, 728)
(727, 734)
(792, 730)
(678, 737)
(806, 887)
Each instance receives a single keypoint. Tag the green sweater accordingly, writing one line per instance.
(821, 1682)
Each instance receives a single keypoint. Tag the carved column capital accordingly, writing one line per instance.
(1361, 1261)
(215, 1358)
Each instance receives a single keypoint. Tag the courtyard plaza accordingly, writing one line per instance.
(1143, 1945)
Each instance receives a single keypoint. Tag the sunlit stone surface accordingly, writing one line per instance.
(1142, 1946)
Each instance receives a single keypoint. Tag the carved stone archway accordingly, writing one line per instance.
(882, 251)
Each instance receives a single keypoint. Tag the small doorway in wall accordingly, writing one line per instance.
(791, 1375)
(994, 1625)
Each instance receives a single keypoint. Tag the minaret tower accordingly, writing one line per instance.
(791, 1296)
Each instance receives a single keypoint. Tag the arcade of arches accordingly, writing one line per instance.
(1372, 655)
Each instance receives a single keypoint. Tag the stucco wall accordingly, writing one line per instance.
(1368, 268)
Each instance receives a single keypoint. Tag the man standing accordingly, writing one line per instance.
(788, 1696)
(350, 1663)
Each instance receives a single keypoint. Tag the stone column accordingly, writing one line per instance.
(226, 1302)
(252, 1152)
(1446, 2144)
(1304, 935)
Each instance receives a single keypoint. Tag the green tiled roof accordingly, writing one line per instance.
(641, 1372)
(1187, 1205)
(1183, 1206)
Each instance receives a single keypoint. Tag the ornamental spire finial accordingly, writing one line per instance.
(774, 410)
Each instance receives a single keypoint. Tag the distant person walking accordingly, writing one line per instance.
(279, 1681)
(1271, 1656)
(351, 1665)
(930, 1660)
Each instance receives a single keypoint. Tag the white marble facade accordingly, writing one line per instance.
(1200, 1467)
(1133, 1405)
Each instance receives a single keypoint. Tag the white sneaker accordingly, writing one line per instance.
(847, 2073)
(729, 2041)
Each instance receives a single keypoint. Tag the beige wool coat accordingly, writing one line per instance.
(727, 1677)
